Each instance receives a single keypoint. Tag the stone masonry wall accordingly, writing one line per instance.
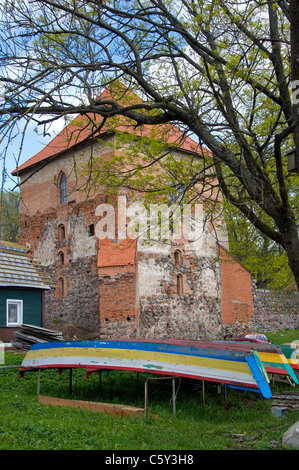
(72, 305)
(194, 313)
(76, 314)
(275, 310)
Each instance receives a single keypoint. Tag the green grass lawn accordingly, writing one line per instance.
(233, 420)
(287, 336)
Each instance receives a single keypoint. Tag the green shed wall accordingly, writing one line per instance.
(32, 304)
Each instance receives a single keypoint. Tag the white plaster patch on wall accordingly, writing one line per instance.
(82, 245)
(209, 282)
(150, 275)
(46, 252)
(153, 247)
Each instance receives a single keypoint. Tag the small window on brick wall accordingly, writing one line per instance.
(61, 287)
(61, 258)
(63, 188)
(179, 284)
(61, 232)
(178, 258)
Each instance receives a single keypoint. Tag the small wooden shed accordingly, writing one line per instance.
(22, 290)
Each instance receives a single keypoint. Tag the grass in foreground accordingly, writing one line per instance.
(286, 336)
(235, 420)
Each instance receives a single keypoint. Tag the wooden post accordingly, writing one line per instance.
(38, 382)
(71, 381)
(146, 397)
(173, 396)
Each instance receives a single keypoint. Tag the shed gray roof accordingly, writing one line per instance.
(17, 269)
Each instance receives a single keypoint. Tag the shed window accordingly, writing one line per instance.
(14, 312)
(63, 188)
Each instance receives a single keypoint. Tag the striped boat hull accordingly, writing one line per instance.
(272, 356)
(237, 369)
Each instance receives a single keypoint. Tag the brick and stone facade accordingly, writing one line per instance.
(114, 288)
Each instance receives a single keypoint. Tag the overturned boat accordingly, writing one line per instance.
(210, 361)
(276, 359)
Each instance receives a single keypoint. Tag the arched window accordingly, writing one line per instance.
(63, 188)
(178, 259)
(61, 258)
(179, 284)
(61, 287)
(61, 232)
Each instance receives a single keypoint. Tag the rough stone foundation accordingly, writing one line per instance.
(75, 314)
(195, 313)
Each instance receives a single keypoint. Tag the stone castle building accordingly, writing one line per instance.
(120, 287)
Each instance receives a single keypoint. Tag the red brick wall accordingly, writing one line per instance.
(118, 294)
(40, 188)
(237, 302)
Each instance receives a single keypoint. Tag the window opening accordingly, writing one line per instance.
(91, 230)
(178, 259)
(63, 188)
(14, 312)
(179, 283)
(61, 258)
(176, 195)
(61, 287)
(61, 230)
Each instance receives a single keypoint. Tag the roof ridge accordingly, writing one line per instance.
(73, 134)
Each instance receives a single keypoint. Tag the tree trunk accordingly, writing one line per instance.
(290, 232)
(294, 37)
(290, 240)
